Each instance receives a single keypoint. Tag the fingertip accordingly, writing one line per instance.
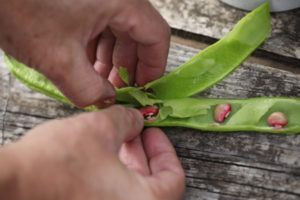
(101, 94)
(127, 122)
(115, 78)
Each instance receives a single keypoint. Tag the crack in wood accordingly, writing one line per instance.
(4, 75)
(244, 184)
(5, 110)
(29, 114)
(238, 165)
(211, 191)
(232, 155)
(19, 126)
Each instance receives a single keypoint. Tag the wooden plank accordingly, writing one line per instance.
(215, 19)
(239, 165)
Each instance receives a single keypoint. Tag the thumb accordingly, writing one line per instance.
(75, 77)
(167, 180)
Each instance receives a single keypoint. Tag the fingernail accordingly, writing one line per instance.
(109, 98)
(106, 102)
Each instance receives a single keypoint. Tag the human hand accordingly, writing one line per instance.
(78, 158)
(72, 42)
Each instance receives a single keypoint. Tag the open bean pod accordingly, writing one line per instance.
(170, 104)
(245, 115)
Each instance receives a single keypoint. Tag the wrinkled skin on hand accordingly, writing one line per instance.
(85, 157)
(73, 42)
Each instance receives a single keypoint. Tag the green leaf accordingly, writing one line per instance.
(124, 75)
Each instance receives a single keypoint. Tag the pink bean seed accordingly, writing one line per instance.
(222, 111)
(278, 120)
(149, 112)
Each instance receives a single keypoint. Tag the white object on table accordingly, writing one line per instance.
(275, 5)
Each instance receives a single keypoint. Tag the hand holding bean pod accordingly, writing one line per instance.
(170, 104)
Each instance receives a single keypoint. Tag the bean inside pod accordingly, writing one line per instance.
(278, 120)
(222, 111)
(149, 112)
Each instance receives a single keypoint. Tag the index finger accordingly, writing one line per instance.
(152, 34)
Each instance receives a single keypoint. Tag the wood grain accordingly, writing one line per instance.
(214, 19)
(235, 165)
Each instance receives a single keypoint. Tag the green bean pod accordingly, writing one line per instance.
(218, 60)
(246, 114)
(36, 81)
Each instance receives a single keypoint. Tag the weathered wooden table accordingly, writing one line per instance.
(236, 165)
